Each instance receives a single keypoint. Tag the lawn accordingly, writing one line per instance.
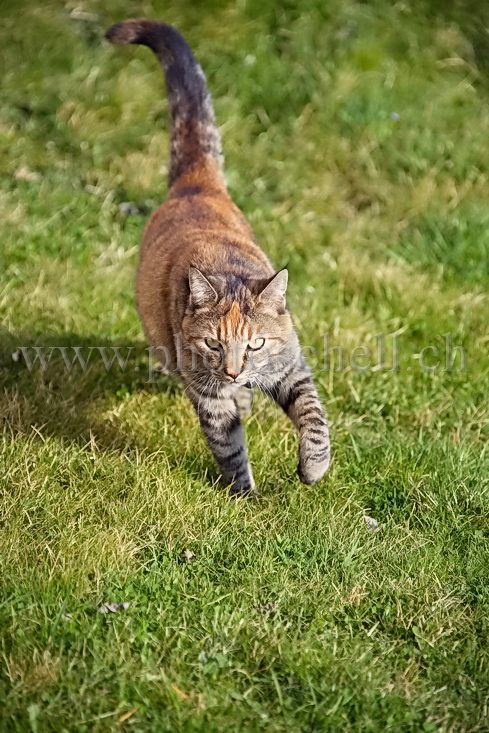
(356, 137)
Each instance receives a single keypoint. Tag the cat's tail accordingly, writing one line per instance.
(193, 129)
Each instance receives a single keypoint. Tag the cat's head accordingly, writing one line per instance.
(238, 328)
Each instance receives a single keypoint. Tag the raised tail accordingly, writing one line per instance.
(194, 134)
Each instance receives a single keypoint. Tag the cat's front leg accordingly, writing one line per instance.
(297, 396)
(222, 427)
(244, 400)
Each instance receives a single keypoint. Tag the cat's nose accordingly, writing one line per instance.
(231, 373)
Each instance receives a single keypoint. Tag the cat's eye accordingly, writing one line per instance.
(256, 344)
(213, 343)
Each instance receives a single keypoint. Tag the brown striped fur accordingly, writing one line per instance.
(208, 297)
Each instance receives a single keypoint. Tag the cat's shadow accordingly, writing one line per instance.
(52, 386)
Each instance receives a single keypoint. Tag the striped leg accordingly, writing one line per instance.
(244, 399)
(298, 397)
(224, 433)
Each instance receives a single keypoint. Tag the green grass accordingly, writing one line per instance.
(356, 143)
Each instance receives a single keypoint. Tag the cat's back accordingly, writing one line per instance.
(198, 221)
(198, 201)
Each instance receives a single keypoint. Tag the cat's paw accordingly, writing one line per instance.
(314, 456)
(242, 492)
(243, 488)
(311, 469)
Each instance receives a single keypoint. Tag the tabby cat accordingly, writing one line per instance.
(209, 300)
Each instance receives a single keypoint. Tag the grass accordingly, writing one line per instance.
(356, 144)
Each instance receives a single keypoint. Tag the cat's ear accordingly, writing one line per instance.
(274, 291)
(201, 291)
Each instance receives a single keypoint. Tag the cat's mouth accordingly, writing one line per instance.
(232, 380)
(236, 381)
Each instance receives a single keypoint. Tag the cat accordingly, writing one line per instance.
(207, 295)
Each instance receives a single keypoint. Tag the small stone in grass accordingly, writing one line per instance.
(25, 174)
(65, 616)
(266, 607)
(188, 555)
(113, 607)
(129, 208)
(372, 524)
